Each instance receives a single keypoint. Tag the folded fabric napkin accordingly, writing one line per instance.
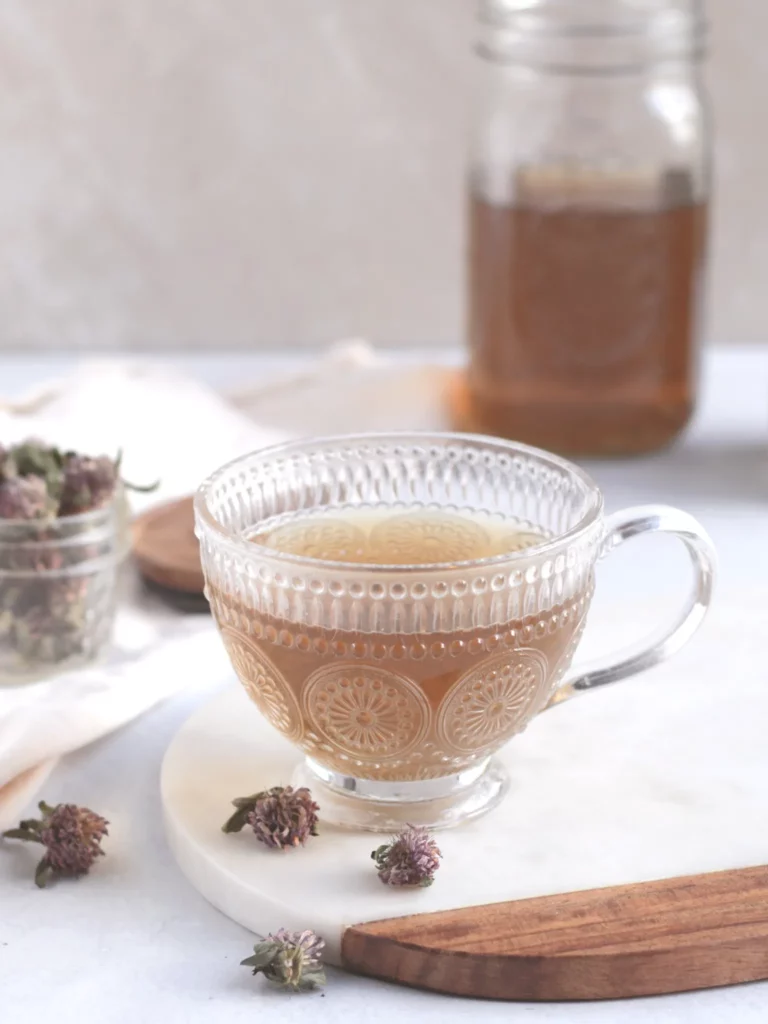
(177, 430)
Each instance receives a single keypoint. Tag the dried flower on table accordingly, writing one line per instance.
(289, 959)
(57, 573)
(71, 835)
(411, 858)
(280, 817)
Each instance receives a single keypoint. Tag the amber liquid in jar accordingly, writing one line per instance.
(584, 319)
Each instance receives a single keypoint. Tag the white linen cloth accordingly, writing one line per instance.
(176, 430)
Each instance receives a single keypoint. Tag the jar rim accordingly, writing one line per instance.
(602, 17)
(557, 34)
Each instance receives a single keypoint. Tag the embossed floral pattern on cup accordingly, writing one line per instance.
(369, 713)
(492, 701)
(266, 685)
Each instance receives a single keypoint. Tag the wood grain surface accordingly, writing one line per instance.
(695, 932)
(166, 549)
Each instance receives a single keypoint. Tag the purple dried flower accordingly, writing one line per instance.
(74, 483)
(289, 959)
(24, 497)
(412, 858)
(89, 483)
(72, 836)
(280, 817)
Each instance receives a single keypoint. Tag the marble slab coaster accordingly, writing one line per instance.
(658, 776)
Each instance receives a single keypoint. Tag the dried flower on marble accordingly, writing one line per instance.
(291, 960)
(71, 836)
(411, 858)
(280, 817)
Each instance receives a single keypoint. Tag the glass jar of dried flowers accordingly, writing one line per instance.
(63, 538)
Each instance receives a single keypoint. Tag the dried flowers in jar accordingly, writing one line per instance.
(63, 537)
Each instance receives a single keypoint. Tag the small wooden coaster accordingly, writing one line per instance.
(166, 548)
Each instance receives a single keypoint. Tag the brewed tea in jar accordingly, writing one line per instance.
(588, 195)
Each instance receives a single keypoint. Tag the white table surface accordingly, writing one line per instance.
(135, 943)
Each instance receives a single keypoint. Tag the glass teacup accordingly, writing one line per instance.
(399, 606)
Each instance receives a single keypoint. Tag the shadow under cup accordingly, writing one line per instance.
(399, 682)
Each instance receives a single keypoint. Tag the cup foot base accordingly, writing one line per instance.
(389, 806)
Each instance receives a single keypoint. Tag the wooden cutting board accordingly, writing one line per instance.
(695, 932)
(166, 548)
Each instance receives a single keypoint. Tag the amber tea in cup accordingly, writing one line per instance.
(399, 607)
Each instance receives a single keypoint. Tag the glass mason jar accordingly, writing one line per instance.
(588, 192)
(59, 582)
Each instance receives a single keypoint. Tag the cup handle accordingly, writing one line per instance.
(622, 526)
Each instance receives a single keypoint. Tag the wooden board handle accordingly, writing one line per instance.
(679, 934)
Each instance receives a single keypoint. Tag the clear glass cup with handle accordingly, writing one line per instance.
(399, 680)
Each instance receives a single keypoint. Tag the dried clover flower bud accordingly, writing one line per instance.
(71, 835)
(74, 483)
(89, 483)
(289, 959)
(25, 497)
(280, 817)
(412, 858)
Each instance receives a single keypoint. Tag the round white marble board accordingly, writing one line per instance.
(655, 777)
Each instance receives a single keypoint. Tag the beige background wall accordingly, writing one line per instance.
(179, 173)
